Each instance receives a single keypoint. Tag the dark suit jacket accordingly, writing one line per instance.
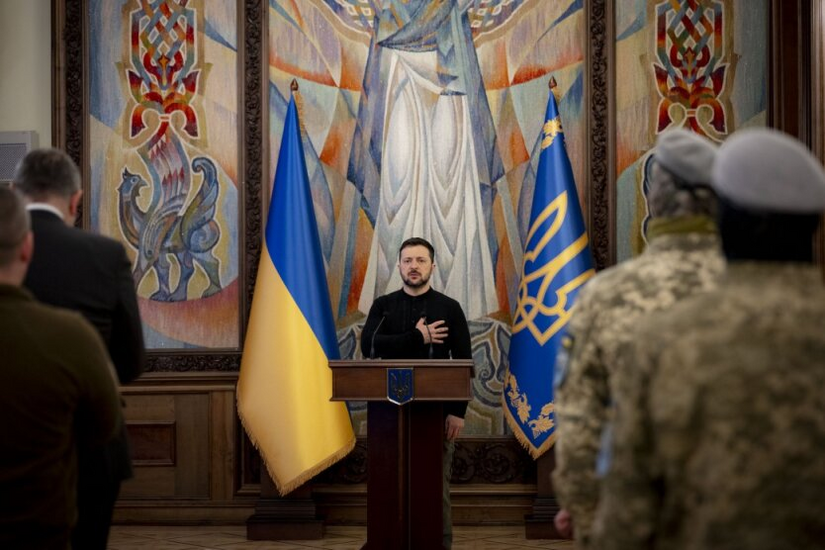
(91, 274)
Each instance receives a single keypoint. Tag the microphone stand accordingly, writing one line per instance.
(372, 340)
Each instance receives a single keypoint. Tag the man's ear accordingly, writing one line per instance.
(74, 205)
(27, 248)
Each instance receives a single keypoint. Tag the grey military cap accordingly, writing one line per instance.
(766, 170)
(686, 155)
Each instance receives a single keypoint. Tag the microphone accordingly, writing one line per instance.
(372, 340)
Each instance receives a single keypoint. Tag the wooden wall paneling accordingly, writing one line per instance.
(187, 417)
(817, 67)
(153, 443)
(192, 415)
(197, 412)
(494, 483)
(222, 450)
(796, 86)
(789, 85)
(152, 480)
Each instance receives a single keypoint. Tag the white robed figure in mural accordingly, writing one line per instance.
(424, 153)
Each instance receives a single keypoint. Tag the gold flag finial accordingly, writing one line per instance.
(299, 104)
(553, 87)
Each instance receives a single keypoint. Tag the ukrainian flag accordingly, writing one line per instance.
(556, 264)
(285, 382)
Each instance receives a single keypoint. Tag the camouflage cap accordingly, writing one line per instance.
(686, 155)
(766, 170)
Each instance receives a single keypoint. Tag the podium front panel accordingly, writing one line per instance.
(433, 380)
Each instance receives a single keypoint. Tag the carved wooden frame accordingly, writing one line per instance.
(600, 130)
(70, 99)
(817, 64)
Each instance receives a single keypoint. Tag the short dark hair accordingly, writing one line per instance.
(14, 224)
(417, 241)
(47, 172)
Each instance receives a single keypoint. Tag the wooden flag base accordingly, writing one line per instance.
(539, 524)
(292, 517)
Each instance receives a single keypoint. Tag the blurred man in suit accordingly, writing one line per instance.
(90, 274)
(58, 394)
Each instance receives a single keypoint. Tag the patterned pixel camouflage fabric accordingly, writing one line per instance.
(607, 311)
(719, 438)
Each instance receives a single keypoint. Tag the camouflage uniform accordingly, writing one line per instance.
(683, 257)
(719, 443)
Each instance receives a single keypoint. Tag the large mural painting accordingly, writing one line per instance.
(697, 64)
(424, 118)
(420, 117)
(164, 156)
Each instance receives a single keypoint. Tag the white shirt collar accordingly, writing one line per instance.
(45, 207)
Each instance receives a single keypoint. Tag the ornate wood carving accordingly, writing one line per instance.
(601, 190)
(493, 461)
(482, 460)
(73, 90)
(74, 86)
(186, 362)
(254, 94)
(349, 471)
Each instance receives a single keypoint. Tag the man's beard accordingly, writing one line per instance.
(421, 282)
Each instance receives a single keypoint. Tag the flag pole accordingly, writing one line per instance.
(539, 523)
(284, 384)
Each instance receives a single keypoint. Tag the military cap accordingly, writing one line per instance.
(765, 170)
(686, 155)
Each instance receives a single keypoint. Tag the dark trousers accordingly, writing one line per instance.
(446, 508)
(95, 506)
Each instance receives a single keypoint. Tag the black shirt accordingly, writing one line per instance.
(397, 337)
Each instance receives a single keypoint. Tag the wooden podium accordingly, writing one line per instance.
(404, 443)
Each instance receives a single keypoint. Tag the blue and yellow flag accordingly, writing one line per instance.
(556, 264)
(285, 383)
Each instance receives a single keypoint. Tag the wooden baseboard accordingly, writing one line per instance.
(337, 505)
(478, 504)
(160, 512)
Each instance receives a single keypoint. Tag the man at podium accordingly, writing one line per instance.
(417, 322)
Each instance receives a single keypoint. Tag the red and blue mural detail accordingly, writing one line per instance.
(691, 66)
(164, 79)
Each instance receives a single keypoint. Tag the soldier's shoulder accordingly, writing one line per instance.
(611, 281)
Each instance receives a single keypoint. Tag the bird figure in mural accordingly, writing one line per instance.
(169, 228)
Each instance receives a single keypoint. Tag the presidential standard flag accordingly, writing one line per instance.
(556, 264)
(285, 383)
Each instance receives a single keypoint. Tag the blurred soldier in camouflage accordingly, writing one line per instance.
(683, 257)
(719, 443)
